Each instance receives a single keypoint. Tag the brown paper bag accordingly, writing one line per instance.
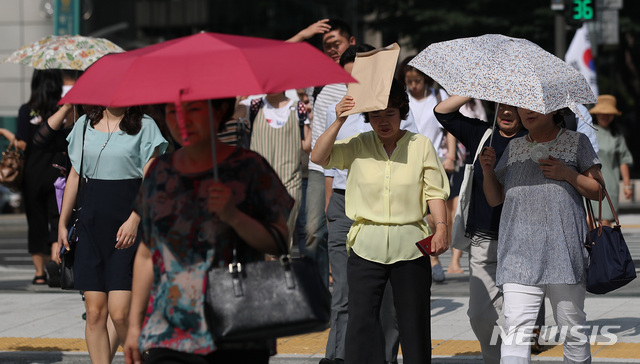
(374, 71)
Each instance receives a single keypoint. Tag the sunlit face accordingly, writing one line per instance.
(334, 44)
(196, 119)
(604, 120)
(415, 83)
(386, 124)
(508, 120)
(535, 121)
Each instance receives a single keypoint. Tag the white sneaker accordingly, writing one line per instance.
(437, 274)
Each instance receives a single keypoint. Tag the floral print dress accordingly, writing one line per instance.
(186, 241)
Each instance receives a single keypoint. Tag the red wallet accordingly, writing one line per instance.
(425, 245)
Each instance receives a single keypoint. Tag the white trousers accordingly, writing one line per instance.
(521, 305)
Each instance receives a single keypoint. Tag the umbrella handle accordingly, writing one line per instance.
(213, 142)
(493, 128)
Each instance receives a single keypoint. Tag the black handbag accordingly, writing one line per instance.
(266, 299)
(67, 260)
(610, 263)
(68, 257)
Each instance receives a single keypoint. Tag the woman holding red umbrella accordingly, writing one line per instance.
(191, 222)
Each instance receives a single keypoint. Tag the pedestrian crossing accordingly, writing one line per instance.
(631, 235)
(13, 245)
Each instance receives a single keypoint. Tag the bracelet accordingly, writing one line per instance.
(442, 222)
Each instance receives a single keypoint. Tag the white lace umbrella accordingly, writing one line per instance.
(505, 70)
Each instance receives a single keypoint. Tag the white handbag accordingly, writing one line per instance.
(458, 238)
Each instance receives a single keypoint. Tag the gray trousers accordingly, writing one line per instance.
(339, 225)
(316, 224)
(485, 299)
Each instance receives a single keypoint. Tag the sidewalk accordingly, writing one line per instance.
(45, 325)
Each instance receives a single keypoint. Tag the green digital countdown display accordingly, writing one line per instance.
(582, 10)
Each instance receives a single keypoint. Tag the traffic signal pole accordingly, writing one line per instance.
(560, 35)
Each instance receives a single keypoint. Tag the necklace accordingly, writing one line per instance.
(109, 133)
(539, 151)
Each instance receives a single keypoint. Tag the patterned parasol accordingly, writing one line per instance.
(506, 70)
(63, 52)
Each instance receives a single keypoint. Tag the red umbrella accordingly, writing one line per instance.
(203, 66)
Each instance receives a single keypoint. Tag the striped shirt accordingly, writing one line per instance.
(329, 95)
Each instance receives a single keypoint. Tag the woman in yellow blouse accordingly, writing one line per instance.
(395, 177)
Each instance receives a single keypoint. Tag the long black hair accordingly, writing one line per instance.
(131, 122)
(46, 90)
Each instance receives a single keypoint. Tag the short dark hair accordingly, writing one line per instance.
(398, 99)
(349, 55)
(341, 26)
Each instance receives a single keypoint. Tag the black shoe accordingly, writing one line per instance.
(53, 271)
(330, 361)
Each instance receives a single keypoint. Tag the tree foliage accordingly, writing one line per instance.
(426, 22)
(418, 23)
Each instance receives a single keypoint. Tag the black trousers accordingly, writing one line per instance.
(411, 283)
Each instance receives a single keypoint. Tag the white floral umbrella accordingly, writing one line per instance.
(505, 70)
(63, 52)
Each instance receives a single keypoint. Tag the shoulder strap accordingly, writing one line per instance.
(316, 92)
(255, 106)
(84, 132)
(486, 136)
(302, 116)
(302, 113)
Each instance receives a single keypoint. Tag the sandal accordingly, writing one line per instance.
(39, 280)
(536, 347)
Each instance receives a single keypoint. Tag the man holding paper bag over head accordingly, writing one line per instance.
(395, 177)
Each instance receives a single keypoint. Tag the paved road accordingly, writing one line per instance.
(13, 256)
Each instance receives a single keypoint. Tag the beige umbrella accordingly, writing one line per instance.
(63, 52)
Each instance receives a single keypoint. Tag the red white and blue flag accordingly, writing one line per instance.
(579, 56)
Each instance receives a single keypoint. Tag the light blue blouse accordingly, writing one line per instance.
(123, 156)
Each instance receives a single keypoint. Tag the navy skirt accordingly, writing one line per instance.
(105, 206)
